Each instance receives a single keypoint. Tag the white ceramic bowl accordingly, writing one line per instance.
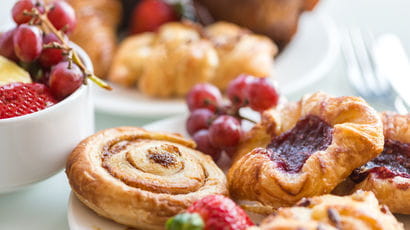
(34, 147)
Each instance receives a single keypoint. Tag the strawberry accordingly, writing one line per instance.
(217, 213)
(17, 99)
(148, 15)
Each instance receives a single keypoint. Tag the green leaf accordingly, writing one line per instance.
(185, 221)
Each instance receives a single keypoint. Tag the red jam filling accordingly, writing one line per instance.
(393, 161)
(291, 149)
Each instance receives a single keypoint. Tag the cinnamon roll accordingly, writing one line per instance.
(388, 175)
(140, 178)
(358, 211)
(304, 149)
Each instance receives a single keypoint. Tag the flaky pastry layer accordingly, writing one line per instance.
(328, 212)
(393, 192)
(171, 61)
(261, 185)
(140, 178)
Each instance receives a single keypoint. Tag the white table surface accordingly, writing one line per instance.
(44, 206)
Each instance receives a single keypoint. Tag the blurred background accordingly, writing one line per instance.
(375, 16)
(312, 60)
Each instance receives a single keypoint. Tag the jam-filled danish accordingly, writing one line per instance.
(140, 178)
(304, 149)
(328, 212)
(388, 175)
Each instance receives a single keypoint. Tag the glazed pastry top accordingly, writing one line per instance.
(358, 211)
(141, 178)
(304, 149)
(388, 175)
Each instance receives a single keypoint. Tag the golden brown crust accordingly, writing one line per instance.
(140, 178)
(393, 192)
(180, 55)
(357, 138)
(239, 51)
(396, 126)
(310, 4)
(277, 19)
(95, 32)
(358, 211)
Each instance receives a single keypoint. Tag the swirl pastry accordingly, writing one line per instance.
(328, 212)
(388, 175)
(306, 149)
(181, 55)
(140, 178)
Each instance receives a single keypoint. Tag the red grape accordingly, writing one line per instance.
(51, 56)
(25, 5)
(231, 151)
(62, 16)
(204, 145)
(65, 79)
(18, 11)
(28, 42)
(204, 96)
(262, 95)
(225, 132)
(6, 45)
(236, 90)
(199, 119)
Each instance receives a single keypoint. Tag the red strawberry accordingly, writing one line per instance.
(17, 99)
(151, 14)
(220, 213)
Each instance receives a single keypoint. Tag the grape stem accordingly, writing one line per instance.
(232, 111)
(73, 56)
(247, 119)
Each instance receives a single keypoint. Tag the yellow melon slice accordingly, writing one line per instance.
(11, 72)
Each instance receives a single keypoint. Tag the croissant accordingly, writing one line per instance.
(140, 178)
(95, 32)
(304, 149)
(388, 175)
(181, 55)
(328, 212)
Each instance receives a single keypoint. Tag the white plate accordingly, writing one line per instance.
(306, 59)
(82, 218)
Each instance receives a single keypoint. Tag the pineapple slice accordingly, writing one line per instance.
(11, 72)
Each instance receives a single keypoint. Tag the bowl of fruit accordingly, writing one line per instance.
(45, 104)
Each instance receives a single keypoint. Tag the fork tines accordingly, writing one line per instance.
(357, 48)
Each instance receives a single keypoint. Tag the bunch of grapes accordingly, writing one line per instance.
(38, 43)
(215, 126)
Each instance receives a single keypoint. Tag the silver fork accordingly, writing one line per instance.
(363, 73)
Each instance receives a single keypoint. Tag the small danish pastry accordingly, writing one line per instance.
(180, 55)
(388, 175)
(328, 212)
(304, 149)
(140, 178)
